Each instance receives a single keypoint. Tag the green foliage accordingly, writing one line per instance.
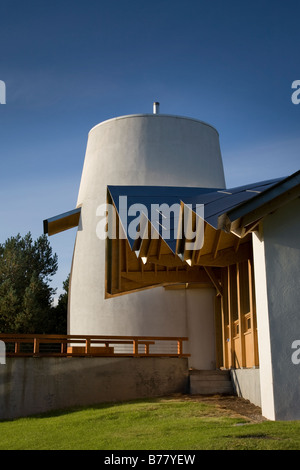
(59, 313)
(26, 269)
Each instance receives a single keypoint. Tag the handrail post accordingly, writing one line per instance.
(135, 347)
(36, 346)
(179, 347)
(87, 346)
(17, 347)
(63, 347)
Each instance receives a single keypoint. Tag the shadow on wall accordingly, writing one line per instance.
(37, 385)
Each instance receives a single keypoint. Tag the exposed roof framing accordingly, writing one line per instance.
(151, 262)
(162, 254)
(244, 218)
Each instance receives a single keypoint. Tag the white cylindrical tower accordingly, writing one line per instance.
(147, 149)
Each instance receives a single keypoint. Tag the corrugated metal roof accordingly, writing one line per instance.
(264, 202)
(216, 202)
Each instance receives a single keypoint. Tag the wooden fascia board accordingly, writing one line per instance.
(62, 222)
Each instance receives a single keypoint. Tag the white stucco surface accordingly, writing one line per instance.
(278, 316)
(263, 328)
(136, 150)
(201, 328)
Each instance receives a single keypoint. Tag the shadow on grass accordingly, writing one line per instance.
(83, 408)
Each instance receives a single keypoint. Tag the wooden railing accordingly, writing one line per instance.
(92, 346)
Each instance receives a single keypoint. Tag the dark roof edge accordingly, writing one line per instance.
(261, 205)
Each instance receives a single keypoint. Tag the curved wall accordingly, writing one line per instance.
(151, 150)
(145, 149)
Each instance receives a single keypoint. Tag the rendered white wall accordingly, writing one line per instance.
(136, 150)
(201, 328)
(263, 328)
(278, 316)
(246, 384)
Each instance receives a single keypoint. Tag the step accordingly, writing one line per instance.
(210, 382)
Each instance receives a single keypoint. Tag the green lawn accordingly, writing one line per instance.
(154, 424)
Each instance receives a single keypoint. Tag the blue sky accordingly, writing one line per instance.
(69, 65)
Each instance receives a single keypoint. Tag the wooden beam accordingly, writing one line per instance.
(159, 245)
(161, 277)
(149, 248)
(252, 316)
(223, 306)
(119, 263)
(241, 319)
(251, 227)
(194, 256)
(126, 254)
(210, 272)
(218, 331)
(167, 260)
(142, 268)
(216, 243)
(241, 232)
(223, 334)
(237, 244)
(230, 321)
(199, 251)
(185, 285)
(227, 256)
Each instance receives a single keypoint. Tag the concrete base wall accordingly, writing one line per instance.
(246, 384)
(36, 385)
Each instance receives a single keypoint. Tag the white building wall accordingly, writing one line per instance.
(154, 150)
(246, 384)
(277, 261)
(263, 328)
(201, 328)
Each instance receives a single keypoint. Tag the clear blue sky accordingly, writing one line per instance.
(69, 65)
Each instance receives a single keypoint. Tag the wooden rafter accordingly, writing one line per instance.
(214, 279)
(216, 243)
(220, 263)
(151, 262)
(240, 317)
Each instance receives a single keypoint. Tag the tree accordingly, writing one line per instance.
(60, 312)
(26, 268)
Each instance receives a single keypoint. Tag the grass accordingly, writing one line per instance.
(153, 424)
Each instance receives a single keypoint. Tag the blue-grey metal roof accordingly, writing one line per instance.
(264, 202)
(216, 201)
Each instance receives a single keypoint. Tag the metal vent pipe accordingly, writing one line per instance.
(155, 107)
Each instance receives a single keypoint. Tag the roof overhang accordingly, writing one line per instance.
(62, 222)
(159, 257)
(153, 259)
(245, 217)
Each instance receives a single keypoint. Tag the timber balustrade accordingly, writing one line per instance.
(92, 346)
